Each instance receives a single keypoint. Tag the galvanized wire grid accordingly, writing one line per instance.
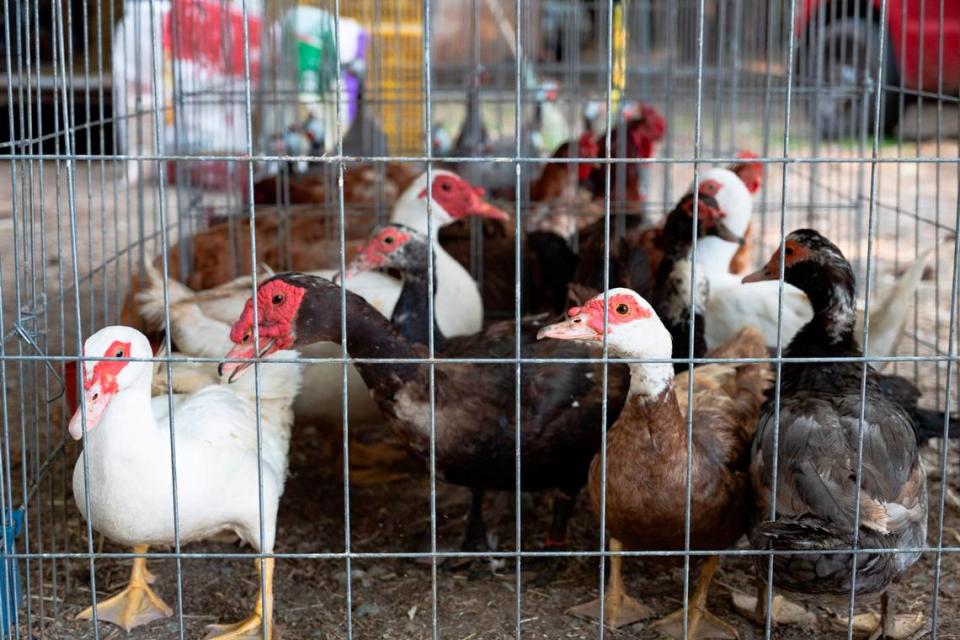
(706, 55)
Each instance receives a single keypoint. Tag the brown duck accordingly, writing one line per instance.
(647, 452)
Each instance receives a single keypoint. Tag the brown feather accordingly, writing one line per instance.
(647, 455)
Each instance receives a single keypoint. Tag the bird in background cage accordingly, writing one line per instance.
(838, 483)
(634, 258)
(475, 141)
(549, 260)
(365, 138)
(125, 470)
(646, 455)
(734, 304)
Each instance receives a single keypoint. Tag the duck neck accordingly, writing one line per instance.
(127, 424)
(411, 313)
(370, 335)
(648, 380)
(672, 298)
(411, 211)
(831, 331)
(652, 415)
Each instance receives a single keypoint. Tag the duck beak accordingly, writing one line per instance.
(368, 258)
(361, 263)
(765, 273)
(245, 352)
(574, 328)
(95, 403)
(482, 208)
(724, 232)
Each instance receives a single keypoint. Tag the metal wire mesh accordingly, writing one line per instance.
(130, 128)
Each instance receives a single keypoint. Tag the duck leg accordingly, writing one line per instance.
(888, 625)
(619, 609)
(137, 604)
(700, 622)
(556, 539)
(251, 627)
(475, 538)
(782, 611)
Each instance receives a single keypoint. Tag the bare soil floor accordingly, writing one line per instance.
(391, 598)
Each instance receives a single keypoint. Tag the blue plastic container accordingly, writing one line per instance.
(9, 571)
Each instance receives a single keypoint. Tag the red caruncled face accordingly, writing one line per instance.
(751, 173)
(647, 130)
(106, 372)
(99, 388)
(459, 198)
(623, 308)
(374, 253)
(587, 148)
(387, 241)
(277, 304)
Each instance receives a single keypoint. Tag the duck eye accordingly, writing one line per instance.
(119, 353)
(789, 251)
(446, 186)
(246, 337)
(388, 240)
(278, 299)
(622, 309)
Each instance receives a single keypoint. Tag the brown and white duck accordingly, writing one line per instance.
(647, 452)
(818, 487)
(475, 411)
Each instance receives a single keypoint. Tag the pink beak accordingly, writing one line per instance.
(759, 276)
(96, 402)
(245, 350)
(482, 208)
(364, 261)
(574, 328)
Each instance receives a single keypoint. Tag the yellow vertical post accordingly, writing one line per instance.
(618, 80)
(395, 83)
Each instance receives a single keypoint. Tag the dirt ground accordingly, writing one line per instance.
(391, 598)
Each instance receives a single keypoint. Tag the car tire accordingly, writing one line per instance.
(835, 108)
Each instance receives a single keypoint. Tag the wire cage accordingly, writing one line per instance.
(224, 139)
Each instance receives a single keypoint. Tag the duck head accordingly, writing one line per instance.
(292, 309)
(645, 127)
(749, 171)
(451, 198)
(103, 380)
(811, 263)
(732, 197)
(710, 218)
(392, 246)
(633, 327)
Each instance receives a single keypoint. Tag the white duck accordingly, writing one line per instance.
(732, 304)
(200, 321)
(127, 449)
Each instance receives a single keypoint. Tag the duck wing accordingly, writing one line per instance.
(817, 497)
(727, 396)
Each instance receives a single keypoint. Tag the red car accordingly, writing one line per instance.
(834, 37)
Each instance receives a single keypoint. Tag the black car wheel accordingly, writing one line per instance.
(847, 48)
